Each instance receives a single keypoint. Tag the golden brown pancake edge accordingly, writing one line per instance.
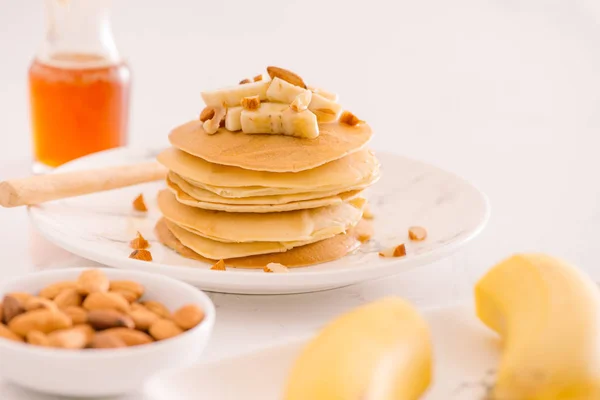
(315, 253)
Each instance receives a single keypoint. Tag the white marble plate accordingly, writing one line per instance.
(466, 354)
(99, 227)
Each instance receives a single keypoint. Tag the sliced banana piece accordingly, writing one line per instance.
(284, 92)
(328, 95)
(232, 96)
(233, 118)
(268, 119)
(325, 109)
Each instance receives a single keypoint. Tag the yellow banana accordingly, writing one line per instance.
(380, 351)
(548, 315)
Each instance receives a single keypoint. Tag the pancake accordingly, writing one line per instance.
(311, 254)
(210, 197)
(273, 153)
(214, 249)
(259, 191)
(188, 200)
(290, 226)
(345, 172)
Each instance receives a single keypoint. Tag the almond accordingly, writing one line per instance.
(142, 255)
(188, 316)
(8, 334)
(139, 204)
(157, 308)
(106, 340)
(288, 76)
(164, 329)
(87, 330)
(244, 81)
(142, 317)
(51, 291)
(42, 320)
(68, 298)
(219, 266)
(258, 78)
(21, 296)
(139, 243)
(130, 337)
(11, 307)
(129, 296)
(105, 319)
(92, 281)
(130, 286)
(106, 301)
(251, 103)
(78, 314)
(73, 338)
(417, 233)
(207, 113)
(39, 302)
(38, 338)
(1, 313)
(350, 119)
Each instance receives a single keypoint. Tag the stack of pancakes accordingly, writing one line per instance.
(255, 199)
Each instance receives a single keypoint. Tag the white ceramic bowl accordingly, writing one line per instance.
(102, 372)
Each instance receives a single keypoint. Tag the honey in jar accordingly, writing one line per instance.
(79, 86)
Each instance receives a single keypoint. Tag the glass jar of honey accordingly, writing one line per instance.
(78, 85)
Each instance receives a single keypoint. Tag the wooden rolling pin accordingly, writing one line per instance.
(41, 188)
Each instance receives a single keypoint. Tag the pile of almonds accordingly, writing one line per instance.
(92, 312)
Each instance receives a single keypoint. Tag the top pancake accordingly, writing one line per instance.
(273, 153)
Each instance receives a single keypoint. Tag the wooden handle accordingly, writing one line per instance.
(42, 188)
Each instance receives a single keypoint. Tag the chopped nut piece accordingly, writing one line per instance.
(301, 101)
(211, 126)
(251, 103)
(350, 119)
(363, 237)
(143, 255)
(288, 76)
(367, 214)
(207, 113)
(417, 233)
(398, 251)
(276, 267)
(139, 204)
(139, 243)
(244, 81)
(258, 78)
(219, 266)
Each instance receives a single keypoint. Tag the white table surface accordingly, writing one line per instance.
(505, 93)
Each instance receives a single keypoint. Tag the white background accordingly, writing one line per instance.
(503, 92)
